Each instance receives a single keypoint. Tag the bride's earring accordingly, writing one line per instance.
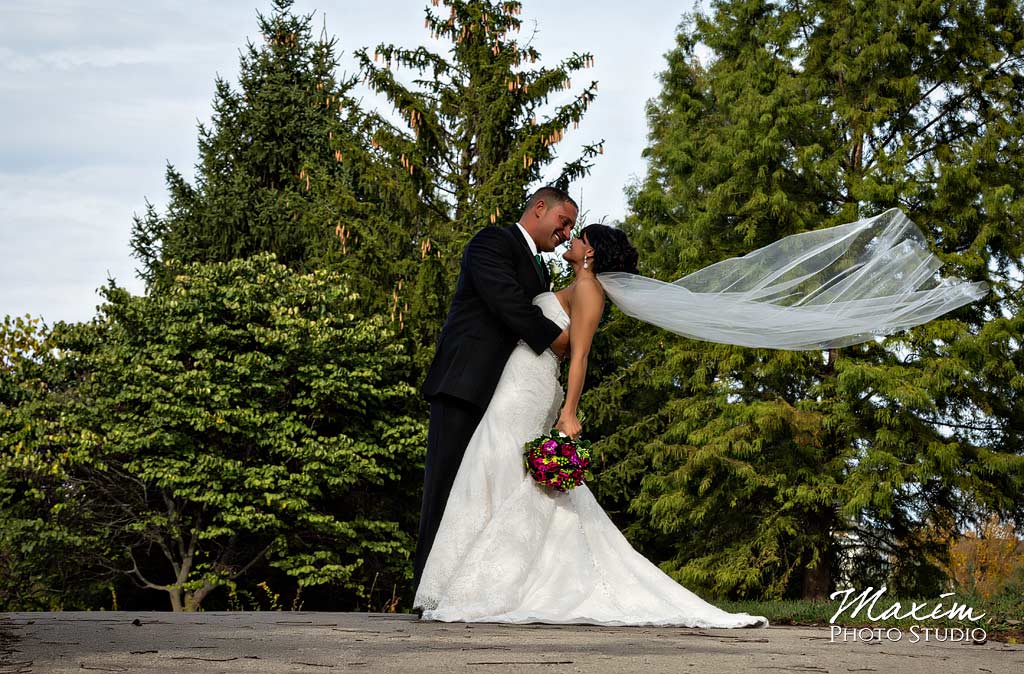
(586, 265)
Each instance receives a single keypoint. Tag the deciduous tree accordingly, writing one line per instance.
(244, 418)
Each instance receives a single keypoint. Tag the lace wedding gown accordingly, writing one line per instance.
(509, 550)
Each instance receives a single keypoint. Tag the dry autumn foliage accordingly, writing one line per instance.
(986, 561)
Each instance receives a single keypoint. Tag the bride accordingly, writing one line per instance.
(517, 552)
(514, 551)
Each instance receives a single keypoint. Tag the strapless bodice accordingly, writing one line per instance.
(552, 309)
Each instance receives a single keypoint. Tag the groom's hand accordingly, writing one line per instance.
(560, 347)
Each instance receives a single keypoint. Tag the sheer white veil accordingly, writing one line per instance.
(816, 290)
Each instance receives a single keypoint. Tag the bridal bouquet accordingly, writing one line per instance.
(557, 461)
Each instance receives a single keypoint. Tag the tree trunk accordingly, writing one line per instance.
(194, 599)
(817, 577)
(175, 593)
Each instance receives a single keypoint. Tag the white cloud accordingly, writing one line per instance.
(61, 235)
(106, 57)
(100, 95)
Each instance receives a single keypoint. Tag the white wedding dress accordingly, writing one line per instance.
(509, 550)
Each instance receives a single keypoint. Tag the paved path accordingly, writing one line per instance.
(325, 643)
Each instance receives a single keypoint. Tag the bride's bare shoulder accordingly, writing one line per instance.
(586, 292)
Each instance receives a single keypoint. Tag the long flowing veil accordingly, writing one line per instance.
(816, 290)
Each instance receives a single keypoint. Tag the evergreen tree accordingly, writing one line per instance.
(287, 167)
(477, 132)
(779, 473)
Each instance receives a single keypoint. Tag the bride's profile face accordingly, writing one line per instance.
(578, 248)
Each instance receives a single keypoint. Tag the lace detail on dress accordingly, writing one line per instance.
(509, 550)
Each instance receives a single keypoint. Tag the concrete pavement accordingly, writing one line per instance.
(307, 643)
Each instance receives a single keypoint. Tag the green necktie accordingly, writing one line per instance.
(540, 266)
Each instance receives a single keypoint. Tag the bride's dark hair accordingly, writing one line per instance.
(612, 249)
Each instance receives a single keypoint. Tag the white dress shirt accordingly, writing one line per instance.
(529, 239)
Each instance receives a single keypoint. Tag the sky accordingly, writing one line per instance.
(99, 96)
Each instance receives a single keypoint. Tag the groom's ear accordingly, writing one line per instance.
(539, 208)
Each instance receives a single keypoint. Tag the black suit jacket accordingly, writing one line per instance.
(490, 312)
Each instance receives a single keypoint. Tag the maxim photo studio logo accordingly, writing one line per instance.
(851, 605)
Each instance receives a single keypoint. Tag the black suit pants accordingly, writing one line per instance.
(452, 422)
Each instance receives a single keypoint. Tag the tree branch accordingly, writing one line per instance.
(255, 559)
(146, 583)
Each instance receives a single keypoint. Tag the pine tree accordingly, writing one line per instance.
(287, 167)
(756, 472)
(477, 133)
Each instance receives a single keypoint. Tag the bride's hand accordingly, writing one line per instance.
(569, 424)
(560, 347)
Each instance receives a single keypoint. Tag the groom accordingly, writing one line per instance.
(501, 271)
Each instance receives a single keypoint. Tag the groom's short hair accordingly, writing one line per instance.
(551, 196)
